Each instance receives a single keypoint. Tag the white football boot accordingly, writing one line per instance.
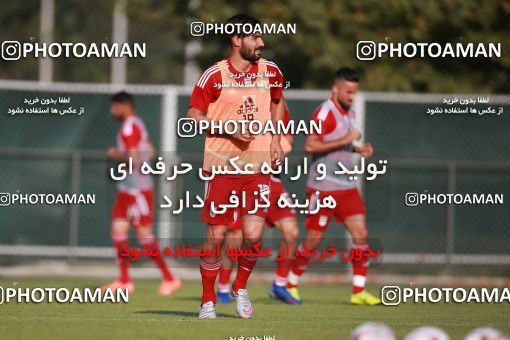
(207, 311)
(244, 307)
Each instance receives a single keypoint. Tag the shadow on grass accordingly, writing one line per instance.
(187, 298)
(265, 301)
(346, 303)
(182, 313)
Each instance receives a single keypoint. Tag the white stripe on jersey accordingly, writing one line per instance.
(141, 202)
(323, 112)
(270, 63)
(127, 127)
(206, 189)
(206, 75)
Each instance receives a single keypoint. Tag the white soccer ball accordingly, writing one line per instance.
(373, 331)
(427, 333)
(485, 333)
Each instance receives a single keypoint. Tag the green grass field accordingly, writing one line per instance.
(324, 315)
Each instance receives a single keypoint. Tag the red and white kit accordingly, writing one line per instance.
(277, 190)
(336, 123)
(135, 196)
(218, 93)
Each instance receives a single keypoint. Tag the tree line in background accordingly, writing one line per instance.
(327, 33)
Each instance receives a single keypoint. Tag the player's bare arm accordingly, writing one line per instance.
(314, 144)
(289, 137)
(197, 115)
(366, 150)
(116, 155)
(277, 110)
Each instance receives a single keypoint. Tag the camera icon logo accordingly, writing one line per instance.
(11, 50)
(391, 295)
(411, 199)
(197, 29)
(365, 50)
(5, 199)
(186, 128)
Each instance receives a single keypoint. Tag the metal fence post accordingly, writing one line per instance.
(74, 215)
(169, 115)
(450, 214)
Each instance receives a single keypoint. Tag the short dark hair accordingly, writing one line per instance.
(122, 97)
(241, 19)
(348, 74)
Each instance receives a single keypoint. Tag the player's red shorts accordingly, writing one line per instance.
(236, 224)
(219, 190)
(275, 212)
(348, 203)
(135, 206)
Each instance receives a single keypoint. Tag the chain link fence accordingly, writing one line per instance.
(427, 154)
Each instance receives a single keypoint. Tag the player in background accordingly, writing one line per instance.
(134, 203)
(284, 219)
(333, 145)
(255, 100)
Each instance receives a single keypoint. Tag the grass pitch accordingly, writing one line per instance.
(325, 314)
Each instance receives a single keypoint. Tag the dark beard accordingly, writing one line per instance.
(247, 55)
(345, 107)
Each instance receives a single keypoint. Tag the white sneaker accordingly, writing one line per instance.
(207, 311)
(244, 307)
